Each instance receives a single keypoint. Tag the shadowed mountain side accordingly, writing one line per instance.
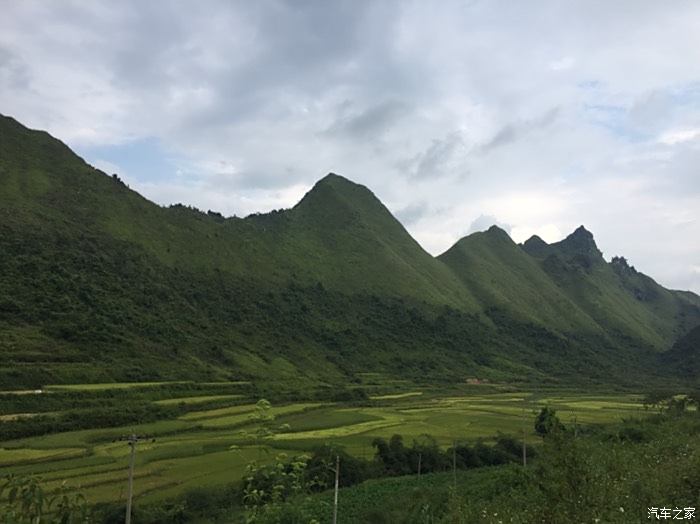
(684, 356)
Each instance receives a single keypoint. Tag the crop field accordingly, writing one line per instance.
(211, 443)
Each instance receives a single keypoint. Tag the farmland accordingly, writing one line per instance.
(208, 442)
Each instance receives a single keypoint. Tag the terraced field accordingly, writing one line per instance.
(211, 445)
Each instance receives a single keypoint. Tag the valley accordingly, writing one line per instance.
(210, 446)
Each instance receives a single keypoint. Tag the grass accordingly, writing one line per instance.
(108, 385)
(195, 400)
(10, 457)
(395, 396)
(207, 447)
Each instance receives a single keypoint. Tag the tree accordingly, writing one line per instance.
(547, 422)
(24, 501)
(268, 489)
(264, 429)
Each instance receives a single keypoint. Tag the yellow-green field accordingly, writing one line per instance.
(212, 446)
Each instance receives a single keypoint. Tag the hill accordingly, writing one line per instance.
(98, 284)
(502, 275)
(684, 356)
(623, 301)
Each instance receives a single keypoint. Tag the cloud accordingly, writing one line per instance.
(369, 123)
(14, 73)
(514, 131)
(483, 222)
(679, 136)
(562, 64)
(442, 157)
(412, 213)
(447, 112)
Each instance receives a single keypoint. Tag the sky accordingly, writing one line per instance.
(537, 116)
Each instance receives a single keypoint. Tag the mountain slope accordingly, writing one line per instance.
(684, 356)
(502, 275)
(621, 300)
(97, 283)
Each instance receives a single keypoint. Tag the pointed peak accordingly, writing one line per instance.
(536, 247)
(334, 179)
(333, 183)
(535, 240)
(580, 242)
(493, 235)
(498, 232)
(495, 229)
(336, 196)
(581, 232)
(580, 236)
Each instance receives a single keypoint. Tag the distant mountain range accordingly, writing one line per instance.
(97, 283)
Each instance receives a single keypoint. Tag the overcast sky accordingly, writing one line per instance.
(539, 116)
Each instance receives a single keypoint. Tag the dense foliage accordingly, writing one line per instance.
(23, 500)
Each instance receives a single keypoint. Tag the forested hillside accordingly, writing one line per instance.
(97, 284)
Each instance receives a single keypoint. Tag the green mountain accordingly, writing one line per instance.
(502, 275)
(97, 283)
(684, 356)
(624, 302)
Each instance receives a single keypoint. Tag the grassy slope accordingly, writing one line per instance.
(624, 302)
(502, 275)
(685, 355)
(96, 274)
(331, 236)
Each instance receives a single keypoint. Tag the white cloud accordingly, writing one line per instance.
(679, 136)
(562, 64)
(544, 114)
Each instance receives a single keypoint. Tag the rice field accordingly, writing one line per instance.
(212, 446)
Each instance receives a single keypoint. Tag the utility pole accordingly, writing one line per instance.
(335, 494)
(524, 437)
(454, 465)
(132, 440)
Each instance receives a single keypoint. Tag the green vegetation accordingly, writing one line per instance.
(685, 354)
(101, 287)
(612, 474)
(24, 501)
(118, 316)
(209, 447)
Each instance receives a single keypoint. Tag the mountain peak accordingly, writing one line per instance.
(536, 247)
(336, 181)
(497, 232)
(581, 245)
(581, 232)
(495, 229)
(333, 183)
(535, 240)
(335, 200)
(581, 241)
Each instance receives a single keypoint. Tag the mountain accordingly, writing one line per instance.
(97, 283)
(624, 302)
(502, 275)
(684, 356)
